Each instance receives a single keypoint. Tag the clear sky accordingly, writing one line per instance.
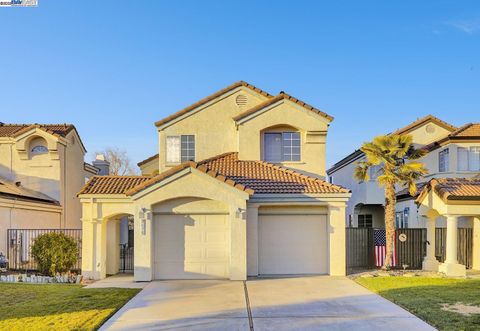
(113, 68)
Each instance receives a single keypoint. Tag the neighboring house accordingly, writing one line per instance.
(42, 169)
(452, 153)
(236, 189)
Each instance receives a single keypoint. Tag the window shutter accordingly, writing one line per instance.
(173, 149)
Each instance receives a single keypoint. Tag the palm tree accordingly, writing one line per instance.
(392, 157)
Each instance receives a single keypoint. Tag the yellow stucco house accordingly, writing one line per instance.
(237, 189)
(42, 169)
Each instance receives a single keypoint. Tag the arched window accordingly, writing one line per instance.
(39, 149)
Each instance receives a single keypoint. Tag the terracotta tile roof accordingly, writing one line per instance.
(13, 130)
(250, 176)
(266, 178)
(466, 132)
(281, 96)
(211, 97)
(151, 158)
(112, 184)
(424, 120)
(449, 189)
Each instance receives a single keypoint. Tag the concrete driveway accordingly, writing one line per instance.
(299, 303)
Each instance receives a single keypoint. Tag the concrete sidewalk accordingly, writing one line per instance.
(119, 281)
(299, 303)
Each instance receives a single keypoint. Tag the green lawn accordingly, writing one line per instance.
(58, 307)
(424, 297)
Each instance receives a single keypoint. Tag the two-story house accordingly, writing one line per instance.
(236, 189)
(42, 169)
(451, 153)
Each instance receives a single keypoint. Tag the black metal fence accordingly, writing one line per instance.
(409, 253)
(126, 258)
(20, 241)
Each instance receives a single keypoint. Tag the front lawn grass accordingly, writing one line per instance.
(58, 307)
(424, 297)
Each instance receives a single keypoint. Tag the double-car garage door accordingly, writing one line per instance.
(197, 246)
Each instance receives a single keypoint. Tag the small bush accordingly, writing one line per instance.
(54, 252)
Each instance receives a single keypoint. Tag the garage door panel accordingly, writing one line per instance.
(191, 246)
(292, 244)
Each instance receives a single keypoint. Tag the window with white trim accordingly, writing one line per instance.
(39, 149)
(443, 160)
(474, 158)
(365, 221)
(462, 159)
(281, 146)
(180, 148)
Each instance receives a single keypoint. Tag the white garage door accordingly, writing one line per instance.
(191, 247)
(292, 244)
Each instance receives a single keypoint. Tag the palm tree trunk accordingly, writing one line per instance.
(389, 223)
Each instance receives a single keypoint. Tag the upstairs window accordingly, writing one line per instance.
(462, 159)
(281, 146)
(180, 148)
(443, 161)
(474, 158)
(39, 149)
(365, 221)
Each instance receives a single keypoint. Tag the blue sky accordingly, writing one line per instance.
(113, 68)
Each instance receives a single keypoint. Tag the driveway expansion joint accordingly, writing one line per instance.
(249, 310)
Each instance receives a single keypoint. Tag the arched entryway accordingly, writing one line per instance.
(119, 243)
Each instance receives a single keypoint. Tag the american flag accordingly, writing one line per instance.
(380, 243)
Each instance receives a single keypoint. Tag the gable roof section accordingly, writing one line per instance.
(405, 193)
(112, 184)
(279, 97)
(253, 177)
(470, 131)
(210, 98)
(421, 121)
(405, 130)
(151, 158)
(14, 130)
(449, 189)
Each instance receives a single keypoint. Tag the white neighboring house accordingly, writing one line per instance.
(452, 153)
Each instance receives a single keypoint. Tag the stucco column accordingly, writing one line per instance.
(252, 240)
(476, 243)
(451, 267)
(430, 262)
(93, 249)
(238, 242)
(336, 231)
(113, 246)
(142, 251)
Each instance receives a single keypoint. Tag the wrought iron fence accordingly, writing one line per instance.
(126, 258)
(20, 241)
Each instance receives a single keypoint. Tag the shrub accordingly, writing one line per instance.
(54, 252)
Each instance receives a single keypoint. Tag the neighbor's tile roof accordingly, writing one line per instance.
(17, 191)
(253, 177)
(404, 193)
(453, 189)
(281, 96)
(211, 97)
(112, 184)
(13, 130)
(423, 120)
(466, 132)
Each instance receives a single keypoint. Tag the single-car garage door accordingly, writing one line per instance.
(191, 246)
(292, 244)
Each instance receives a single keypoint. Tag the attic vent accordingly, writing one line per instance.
(430, 128)
(241, 100)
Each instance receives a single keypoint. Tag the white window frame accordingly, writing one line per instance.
(460, 165)
(178, 154)
(283, 147)
(445, 156)
(474, 157)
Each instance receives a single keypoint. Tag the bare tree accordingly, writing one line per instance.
(120, 163)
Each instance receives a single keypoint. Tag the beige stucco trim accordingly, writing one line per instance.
(19, 204)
